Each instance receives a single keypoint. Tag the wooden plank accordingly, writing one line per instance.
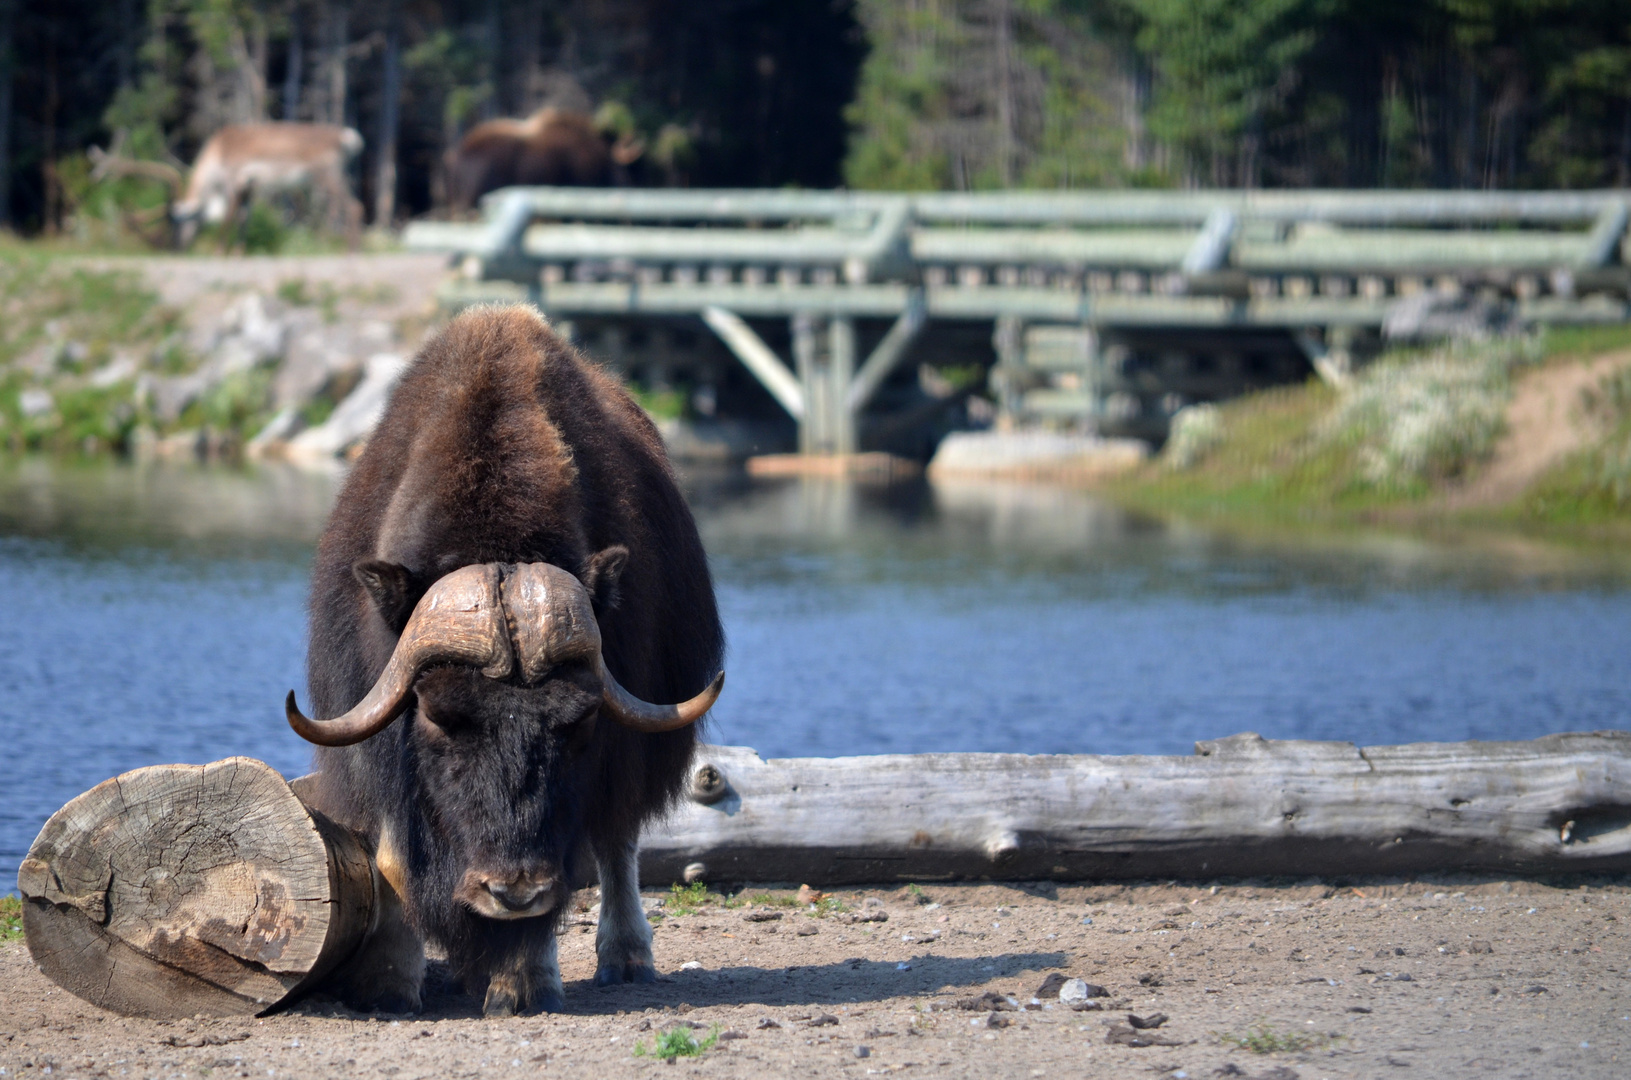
(1240, 806)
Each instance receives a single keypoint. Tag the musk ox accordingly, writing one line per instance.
(552, 146)
(508, 580)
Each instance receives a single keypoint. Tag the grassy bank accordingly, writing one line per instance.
(1410, 441)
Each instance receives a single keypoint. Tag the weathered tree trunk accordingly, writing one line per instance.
(184, 889)
(1241, 806)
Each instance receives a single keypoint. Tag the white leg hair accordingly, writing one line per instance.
(623, 942)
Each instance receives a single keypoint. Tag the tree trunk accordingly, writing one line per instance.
(391, 92)
(183, 889)
(1241, 806)
(8, 17)
(292, 68)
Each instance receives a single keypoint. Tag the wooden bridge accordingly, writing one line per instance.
(1106, 309)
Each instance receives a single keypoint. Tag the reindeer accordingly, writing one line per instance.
(242, 160)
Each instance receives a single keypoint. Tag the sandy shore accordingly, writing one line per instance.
(1457, 977)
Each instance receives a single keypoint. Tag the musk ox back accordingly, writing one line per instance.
(550, 147)
(509, 578)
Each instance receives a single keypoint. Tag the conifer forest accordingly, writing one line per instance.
(895, 94)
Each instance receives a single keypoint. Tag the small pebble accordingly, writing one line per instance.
(691, 965)
(863, 1051)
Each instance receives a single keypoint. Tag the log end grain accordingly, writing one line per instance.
(183, 889)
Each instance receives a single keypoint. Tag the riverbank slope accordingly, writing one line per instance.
(1526, 434)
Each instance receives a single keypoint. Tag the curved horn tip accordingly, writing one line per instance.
(322, 734)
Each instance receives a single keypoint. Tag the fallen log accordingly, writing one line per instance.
(184, 889)
(1241, 806)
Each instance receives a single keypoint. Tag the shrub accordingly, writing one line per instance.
(1424, 417)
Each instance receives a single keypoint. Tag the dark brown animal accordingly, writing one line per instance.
(510, 538)
(550, 147)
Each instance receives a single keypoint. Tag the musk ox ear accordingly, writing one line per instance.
(393, 588)
(601, 573)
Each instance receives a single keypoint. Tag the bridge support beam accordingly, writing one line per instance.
(823, 392)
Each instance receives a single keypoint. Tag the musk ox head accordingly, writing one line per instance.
(501, 665)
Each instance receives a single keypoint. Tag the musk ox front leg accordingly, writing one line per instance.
(526, 978)
(623, 941)
(388, 972)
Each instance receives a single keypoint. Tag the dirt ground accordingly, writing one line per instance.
(1545, 423)
(1459, 977)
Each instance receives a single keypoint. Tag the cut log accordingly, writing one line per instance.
(1242, 806)
(183, 889)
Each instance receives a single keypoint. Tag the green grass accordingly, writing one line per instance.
(1261, 1038)
(11, 919)
(1414, 423)
(686, 899)
(677, 1042)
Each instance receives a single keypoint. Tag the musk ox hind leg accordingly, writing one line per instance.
(528, 978)
(623, 941)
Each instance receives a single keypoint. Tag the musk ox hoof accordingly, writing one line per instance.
(501, 1001)
(401, 1004)
(617, 974)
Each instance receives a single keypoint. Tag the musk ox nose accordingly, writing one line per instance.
(509, 894)
(516, 895)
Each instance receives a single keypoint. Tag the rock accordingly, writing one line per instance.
(691, 965)
(1024, 453)
(354, 418)
(988, 1001)
(1147, 1023)
(278, 430)
(1050, 986)
(1121, 1034)
(1479, 948)
(35, 402)
(874, 915)
(117, 370)
(808, 929)
(1431, 315)
(863, 1051)
(997, 1020)
(1076, 992)
(765, 1023)
(824, 1020)
(726, 1036)
(761, 916)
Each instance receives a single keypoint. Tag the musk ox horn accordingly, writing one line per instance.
(630, 711)
(460, 620)
(554, 620)
(470, 617)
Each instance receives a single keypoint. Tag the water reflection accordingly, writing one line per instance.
(157, 614)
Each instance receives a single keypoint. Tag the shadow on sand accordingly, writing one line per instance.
(847, 981)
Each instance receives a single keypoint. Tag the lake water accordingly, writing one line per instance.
(157, 615)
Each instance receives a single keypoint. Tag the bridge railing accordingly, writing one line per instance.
(1322, 265)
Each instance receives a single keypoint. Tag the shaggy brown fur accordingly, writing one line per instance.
(502, 445)
(550, 147)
